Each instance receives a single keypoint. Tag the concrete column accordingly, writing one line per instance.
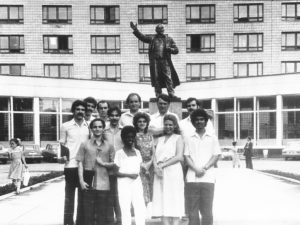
(175, 107)
(214, 108)
(255, 130)
(235, 131)
(279, 121)
(36, 121)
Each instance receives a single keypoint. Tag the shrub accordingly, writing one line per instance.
(8, 188)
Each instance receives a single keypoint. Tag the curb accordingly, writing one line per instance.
(280, 177)
(30, 187)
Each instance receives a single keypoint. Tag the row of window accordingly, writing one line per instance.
(194, 71)
(150, 14)
(110, 44)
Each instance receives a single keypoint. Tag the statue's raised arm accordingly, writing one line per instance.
(133, 26)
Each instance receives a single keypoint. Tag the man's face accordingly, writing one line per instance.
(199, 123)
(102, 109)
(90, 108)
(97, 129)
(79, 112)
(114, 118)
(160, 29)
(162, 106)
(134, 103)
(192, 106)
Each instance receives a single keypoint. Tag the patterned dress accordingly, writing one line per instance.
(144, 143)
(16, 166)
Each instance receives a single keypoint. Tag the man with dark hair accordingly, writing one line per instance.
(133, 101)
(162, 71)
(72, 134)
(202, 151)
(156, 123)
(91, 104)
(113, 134)
(186, 125)
(102, 108)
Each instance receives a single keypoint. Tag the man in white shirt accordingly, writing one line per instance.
(72, 134)
(186, 126)
(202, 151)
(133, 101)
(157, 119)
(91, 104)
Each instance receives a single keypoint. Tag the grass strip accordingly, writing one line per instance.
(8, 188)
(284, 174)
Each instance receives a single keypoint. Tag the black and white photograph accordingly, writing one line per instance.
(149, 112)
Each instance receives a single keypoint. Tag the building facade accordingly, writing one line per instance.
(240, 58)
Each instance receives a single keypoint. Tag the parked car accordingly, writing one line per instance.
(32, 153)
(292, 150)
(226, 154)
(50, 152)
(4, 157)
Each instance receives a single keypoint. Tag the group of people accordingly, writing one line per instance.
(120, 163)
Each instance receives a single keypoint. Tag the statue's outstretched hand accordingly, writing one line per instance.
(133, 26)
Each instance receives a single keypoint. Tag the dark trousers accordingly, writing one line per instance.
(72, 182)
(162, 73)
(113, 206)
(81, 212)
(94, 207)
(200, 198)
(249, 164)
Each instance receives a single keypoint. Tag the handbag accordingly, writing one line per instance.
(26, 177)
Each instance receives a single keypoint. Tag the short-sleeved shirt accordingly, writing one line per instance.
(72, 135)
(114, 137)
(88, 153)
(128, 164)
(126, 119)
(157, 120)
(200, 150)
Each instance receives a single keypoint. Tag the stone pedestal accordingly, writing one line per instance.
(175, 107)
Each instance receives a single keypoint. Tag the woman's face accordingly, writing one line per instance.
(142, 124)
(12, 144)
(129, 139)
(169, 127)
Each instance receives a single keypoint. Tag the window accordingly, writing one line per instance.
(144, 73)
(144, 47)
(290, 41)
(23, 118)
(290, 11)
(105, 14)
(244, 13)
(266, 118)
(248, 42)
(61, 44)
(153, 14)
(200, 71)
(57, 14)
(12, 44)
(248, 69)
(105, 44)
(290, 67)
(12, 69)
(106, 72)
(11, 14)
(200, 14)
(200, 43)
(49, 119)
(58, 70)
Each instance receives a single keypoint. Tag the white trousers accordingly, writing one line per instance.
(131, 191)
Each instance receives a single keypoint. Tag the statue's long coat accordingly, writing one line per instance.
(174, 50)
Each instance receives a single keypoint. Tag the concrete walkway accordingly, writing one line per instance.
(242, 197)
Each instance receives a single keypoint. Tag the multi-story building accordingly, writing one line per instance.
(241, 58)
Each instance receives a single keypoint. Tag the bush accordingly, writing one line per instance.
(8, 188)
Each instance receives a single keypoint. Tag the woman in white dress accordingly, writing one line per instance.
(168, 187)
